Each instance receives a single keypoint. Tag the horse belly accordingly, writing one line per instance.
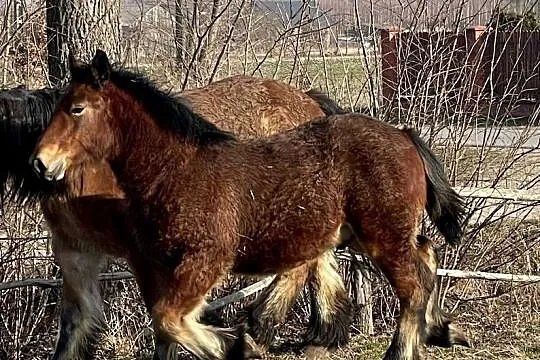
(271, 256)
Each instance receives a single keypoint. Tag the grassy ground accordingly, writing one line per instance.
(520, 346)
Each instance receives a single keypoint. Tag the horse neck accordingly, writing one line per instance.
(92, 178)
(150, 154)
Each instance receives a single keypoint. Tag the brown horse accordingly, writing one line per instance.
(88, 226)
(202, 203)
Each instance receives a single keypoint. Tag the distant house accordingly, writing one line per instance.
(147, 28)
(148, 11)
(287, 10)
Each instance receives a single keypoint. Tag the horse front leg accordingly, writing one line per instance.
(175, 298)
(81, 317)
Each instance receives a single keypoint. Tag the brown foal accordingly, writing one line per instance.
(200, 203)
(88, 222)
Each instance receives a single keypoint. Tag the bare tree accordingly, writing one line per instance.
(80, 26)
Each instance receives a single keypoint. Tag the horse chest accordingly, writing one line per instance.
(88, 226)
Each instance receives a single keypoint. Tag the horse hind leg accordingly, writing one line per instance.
(398, 258)
(330, 320)
(270, 309)
(413, 284)
(330, 307)
(439, 328)
(81, 317)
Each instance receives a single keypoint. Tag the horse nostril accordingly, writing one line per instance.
(39, 166)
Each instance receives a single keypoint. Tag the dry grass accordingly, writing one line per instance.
(503, 327)
(368, 348)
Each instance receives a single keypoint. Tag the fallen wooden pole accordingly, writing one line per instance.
(480, 275)
(241, 294)
(524, 195)
(49, 283)
(258, 286)
(460, 274)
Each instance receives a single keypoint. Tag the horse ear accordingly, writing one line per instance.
(101, 68)
(72, 63)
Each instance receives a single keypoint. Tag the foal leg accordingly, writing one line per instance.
(439, 328)
(330, 319)
(176, 298)
(270, 309)
(81, 317)
(399, 259)
(330, 306)
(413, 283)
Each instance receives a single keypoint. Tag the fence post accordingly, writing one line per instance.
(359, 281)
(475, 39)
(389, 63)
(364, 298)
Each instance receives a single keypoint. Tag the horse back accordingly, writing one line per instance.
(250, 106)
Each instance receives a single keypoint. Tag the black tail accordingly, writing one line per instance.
(444, 206)
(329, 106)
(24, 115)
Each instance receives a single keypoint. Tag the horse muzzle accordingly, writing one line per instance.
(48, 169)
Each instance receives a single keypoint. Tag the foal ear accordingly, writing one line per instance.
(72, 63)
(101, 68)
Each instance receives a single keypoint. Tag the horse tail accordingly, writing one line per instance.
(327, 105)
(444, 206)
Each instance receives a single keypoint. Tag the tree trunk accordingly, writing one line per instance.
(80, 26)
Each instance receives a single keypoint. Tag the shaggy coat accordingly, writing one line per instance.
(87, 214)
(201, 203)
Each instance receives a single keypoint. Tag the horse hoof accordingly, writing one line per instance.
(446, 335)
(251, 349)
(317, 353)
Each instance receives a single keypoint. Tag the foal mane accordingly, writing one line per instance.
(171, 113)
(24, 115)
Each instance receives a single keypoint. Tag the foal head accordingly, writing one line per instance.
(81, 126)
(103, 109)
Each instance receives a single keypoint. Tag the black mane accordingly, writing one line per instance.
(24, 115)
(170, 112)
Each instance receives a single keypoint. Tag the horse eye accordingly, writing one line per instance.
(77, 109)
